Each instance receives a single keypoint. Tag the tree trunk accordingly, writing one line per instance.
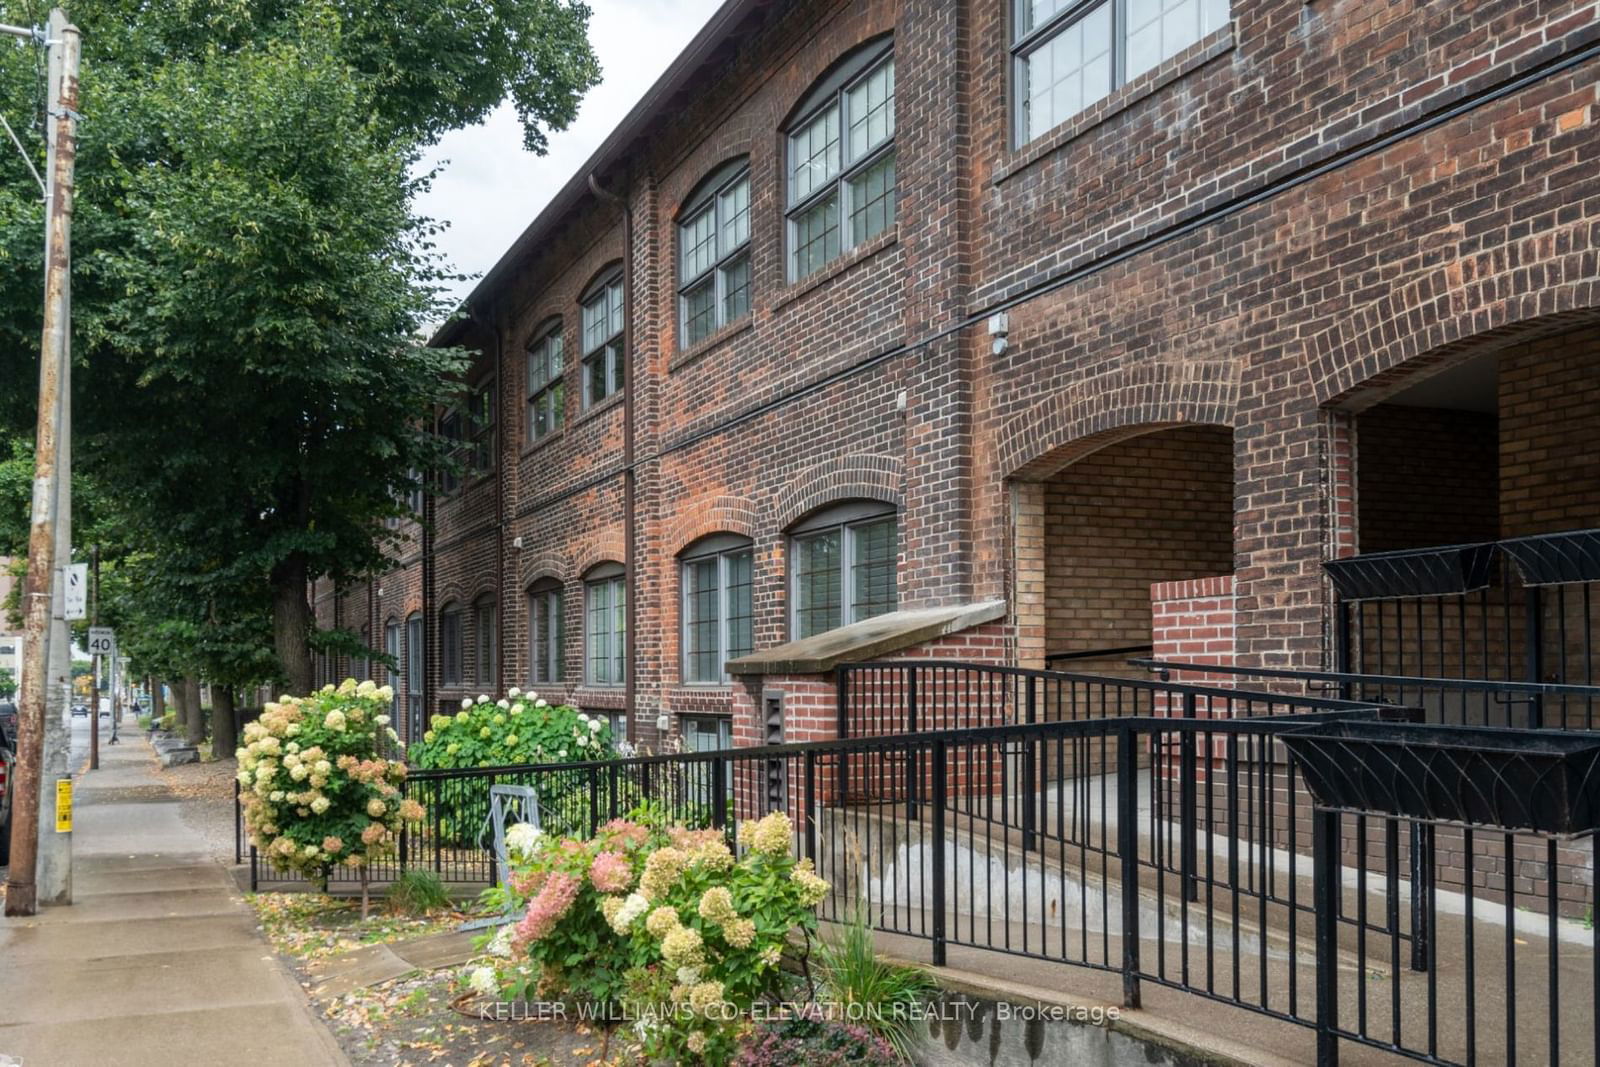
(364, 897)
(291, 623)
(194, 717)
(158, 699)
(224, 724)
(180, 704)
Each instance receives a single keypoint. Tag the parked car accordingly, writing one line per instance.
(8, 759)
(80, 711)
(8, 720)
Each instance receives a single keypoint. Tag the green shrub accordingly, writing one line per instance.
(853, 974)
(521, 728)
(144, 722)
(803, 1042)
(417, 893)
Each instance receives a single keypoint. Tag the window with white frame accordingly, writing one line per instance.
(485, 637)
(605, 626)
(1068, 54)
(714, 253)
(706, 733)
(603, 355)
(546, 642)
(717, 612)
(414, 654)
(841, 161)
(843, 564)
(451, 650)
(546, 388)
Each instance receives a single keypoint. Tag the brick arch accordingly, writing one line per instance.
(1447, 315)
(532, 567)
(852, 477)
(723, 514)
(454, 593)
(604, 548)
(1066, 426)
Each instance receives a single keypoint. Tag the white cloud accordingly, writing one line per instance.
(490, 187)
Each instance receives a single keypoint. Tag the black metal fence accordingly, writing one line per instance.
(1525, 609)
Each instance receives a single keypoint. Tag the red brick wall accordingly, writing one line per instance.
(1148, 509)
(1549, 429)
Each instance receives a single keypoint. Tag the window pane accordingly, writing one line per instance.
(871, 104)
(872, 200)
(605, 631)
(700, 311)
(1068, 72)
(741, 613)
(816, 236)
(698, 240)
(813, 155)
(1159, 29)
(736, 289)
(594, 323)
(1035, 12)
(876, 548)
(614, 307)
(616, 364)
(735, 211)
(594, 369)
(701, 621)
(817, 583)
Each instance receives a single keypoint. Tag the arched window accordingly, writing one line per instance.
(546, 631)
(604, 360)
(714, 252)
(451, 650)
(605, 624)
(1068, 54)
(843, 563)
(841, 163)
(486, 643)
(716, 611)
(547, 393)
(392, 647)
(362, 669)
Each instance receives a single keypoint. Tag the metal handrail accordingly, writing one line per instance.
(1399, 681)
(1096, 653)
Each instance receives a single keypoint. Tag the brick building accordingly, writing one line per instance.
(939, 327)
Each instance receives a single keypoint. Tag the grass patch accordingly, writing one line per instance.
(417, 893)
(852, 973)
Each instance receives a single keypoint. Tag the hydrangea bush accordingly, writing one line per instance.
(519, 728)
(313, 788)
(645, 916)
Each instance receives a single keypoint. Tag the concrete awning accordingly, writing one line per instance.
(871, 638)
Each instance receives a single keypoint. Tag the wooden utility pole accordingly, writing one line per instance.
(51, 499)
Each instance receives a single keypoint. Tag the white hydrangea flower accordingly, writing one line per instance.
(595, 725)
(633, 907)
(503, 704)
(513, 692)
(688, 976)
(522, 838)
(500, 944)
(541, 703)
(483, 982)
(381, 720)
(482, 699)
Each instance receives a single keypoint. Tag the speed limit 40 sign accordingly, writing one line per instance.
(102, 641)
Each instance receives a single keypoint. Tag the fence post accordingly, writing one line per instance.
(939, 799)
(1326, 898)
(1030, 836)
(255, 881)
(1421, 894)
(1128, 853)
(719, 793)
(1189, 804)
(594, 800)
(405, 832)
(1535, 642)
(238, 826)
(811, 806)
(613, 773)
(841, 687)
(911, 754)
(1341, 647)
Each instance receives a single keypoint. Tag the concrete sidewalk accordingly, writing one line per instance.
(157, 961)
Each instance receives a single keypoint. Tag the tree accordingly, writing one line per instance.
(251, 281)
(8, 683)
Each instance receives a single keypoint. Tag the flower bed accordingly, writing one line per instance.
(660, 923)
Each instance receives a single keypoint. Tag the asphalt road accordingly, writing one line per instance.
(78, 760)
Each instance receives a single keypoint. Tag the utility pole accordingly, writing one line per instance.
(41, 863)
(94, 662)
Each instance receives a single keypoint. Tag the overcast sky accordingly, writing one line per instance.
(491, 188)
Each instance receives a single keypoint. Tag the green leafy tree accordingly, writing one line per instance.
(8, 683)
(251, 283)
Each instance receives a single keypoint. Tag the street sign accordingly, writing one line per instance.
(102, 641)
(77, 591)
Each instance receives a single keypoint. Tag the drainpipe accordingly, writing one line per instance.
(500, 473)
(630, 579)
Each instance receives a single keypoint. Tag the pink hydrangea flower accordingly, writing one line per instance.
(547, 909)
(610, 872)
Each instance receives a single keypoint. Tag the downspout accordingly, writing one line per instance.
(630, 579)
(500, 473)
